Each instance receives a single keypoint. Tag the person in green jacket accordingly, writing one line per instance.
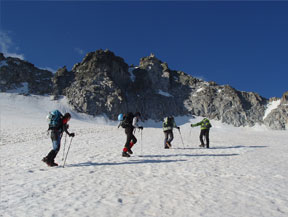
(168, 125)
(205, 128)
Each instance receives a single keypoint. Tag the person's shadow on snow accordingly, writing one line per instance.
(239, 146)
(192, 155)
(149, 161)
(89, 163)
(229, 147)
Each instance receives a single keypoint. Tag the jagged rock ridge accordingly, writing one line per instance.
(104, 84)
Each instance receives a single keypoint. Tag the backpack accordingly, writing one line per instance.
(168, 122)
(127, 120)
(206, 124)
(55, 119)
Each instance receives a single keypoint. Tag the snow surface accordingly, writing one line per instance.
(271, 106)
(163, 93)
(244, 174)
(200, 89)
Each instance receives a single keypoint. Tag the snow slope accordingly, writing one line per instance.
(243, 174)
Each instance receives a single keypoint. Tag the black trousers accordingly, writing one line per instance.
(168, 137)
(129, 137)
(206, 134)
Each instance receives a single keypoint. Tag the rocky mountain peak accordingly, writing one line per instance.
(103, 84)
(102, 64)
(156, 71)
(151, 63)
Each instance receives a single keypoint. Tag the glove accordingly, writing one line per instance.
(141, 128)
(192, 125)
(178, 128)
(71, 134)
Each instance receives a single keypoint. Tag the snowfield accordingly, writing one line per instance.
(244, 174)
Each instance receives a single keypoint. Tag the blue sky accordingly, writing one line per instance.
(243, 44)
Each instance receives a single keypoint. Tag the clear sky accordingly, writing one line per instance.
(243, 44)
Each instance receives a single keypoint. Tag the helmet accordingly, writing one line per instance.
(120, 117)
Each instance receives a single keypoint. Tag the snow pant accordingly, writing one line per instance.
(130, 140)
(56, 141)
(205, 133)
(168, 137)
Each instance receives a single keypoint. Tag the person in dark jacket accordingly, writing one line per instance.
(131, 123)
(168, 125)
(205, 128)
(56, 135)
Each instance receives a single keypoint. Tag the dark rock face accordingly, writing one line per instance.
(156, 90)
(21, 76)
(61, 80)
(104, 84)
(100, 83)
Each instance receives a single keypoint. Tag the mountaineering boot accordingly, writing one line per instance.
(53, 164)
(49, 159)
(168, 144)
(130, 151)
(202, 146)
(125, 154)
(45, 160)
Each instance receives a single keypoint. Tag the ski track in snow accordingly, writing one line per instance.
(243, 174)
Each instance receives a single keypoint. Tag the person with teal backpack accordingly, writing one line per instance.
(205, 128)
(58, 124)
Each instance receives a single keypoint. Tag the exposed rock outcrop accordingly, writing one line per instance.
(100, 83)
(103, 84)
(21, 76)
(277, 119)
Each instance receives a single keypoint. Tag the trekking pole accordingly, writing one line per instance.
(67, 152)
(141, 142)
(64, 147)
(181, 138)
